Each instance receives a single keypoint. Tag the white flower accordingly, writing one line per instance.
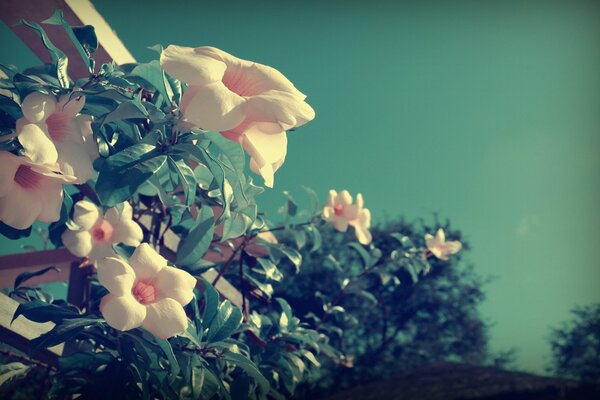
(145, 292)
(97, 233)
(29, 192)
(340, 212)
(247, 102)
(439, 247)
(52, 132)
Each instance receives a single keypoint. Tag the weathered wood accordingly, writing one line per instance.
(22, 330)
(14, 264)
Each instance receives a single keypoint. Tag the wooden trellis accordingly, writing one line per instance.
(76, 12)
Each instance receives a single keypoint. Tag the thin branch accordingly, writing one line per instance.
(24, 359)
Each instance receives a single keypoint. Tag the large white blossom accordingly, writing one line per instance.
(439, 247)
(145, 292)
(29, 192)
(341, 213)
(247, 102)
(53, 131)
(95, 233)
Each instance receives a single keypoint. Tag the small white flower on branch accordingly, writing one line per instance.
(145, 292)
(439, 247)
(95, 233)
(341, 213)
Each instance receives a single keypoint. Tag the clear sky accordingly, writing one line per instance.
(486, 112)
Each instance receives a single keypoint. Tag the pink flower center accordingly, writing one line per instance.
(102, 232)
(338, 209)
(59, 127)
(27, 178)
(238, 81)
(144, 292)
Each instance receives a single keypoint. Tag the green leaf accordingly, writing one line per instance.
(249, 368)
(239, 222)
(58, 57)
(227, 320)
(13, 370)
(286, 316)
(23, 277)
(88, 37)
(39, 311)
(153, 74)
(123, 173)
(187, 179)
(196, 243)
(174, 367)
(13, 233)
(62, 332)
(211, 303)
(200, 154)
(294, 256)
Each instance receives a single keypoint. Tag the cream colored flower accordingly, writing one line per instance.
(29, 192)
(52, 132)
(145, 292)
(439, 247)
(97, 233)
(340, 212)
(247, 102)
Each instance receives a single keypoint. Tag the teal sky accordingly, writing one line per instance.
(486, 112)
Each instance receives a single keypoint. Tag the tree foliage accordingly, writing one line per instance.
(576, 345)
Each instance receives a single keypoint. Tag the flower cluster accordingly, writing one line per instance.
(58, 148)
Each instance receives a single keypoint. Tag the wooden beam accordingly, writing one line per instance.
(77, 13)
(13, 265)
(18, 333)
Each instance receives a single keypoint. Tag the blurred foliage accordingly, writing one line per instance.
(576, 345)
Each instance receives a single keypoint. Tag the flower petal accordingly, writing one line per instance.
(37, 145)
(85, 214)
(430, 241)
(146, 262)
(331, 198)
(343, 198)
(363, 235)
(122, 312)
(116, 275)
(165, 318)
(440, 236)
(263, 77)
(176, 284)
(267, 150)
(339, 223)
(127, 232)
(20, 208)
(190, 67)
(36, 107)
(9, 163)
(78, 243)
(74, 160)
(214, 107)
(453, 246)
(281, 107)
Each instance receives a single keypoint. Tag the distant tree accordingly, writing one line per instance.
(576, 345)
(398, 315)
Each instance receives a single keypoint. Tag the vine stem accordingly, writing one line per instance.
(230, 260)
(24, 359)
